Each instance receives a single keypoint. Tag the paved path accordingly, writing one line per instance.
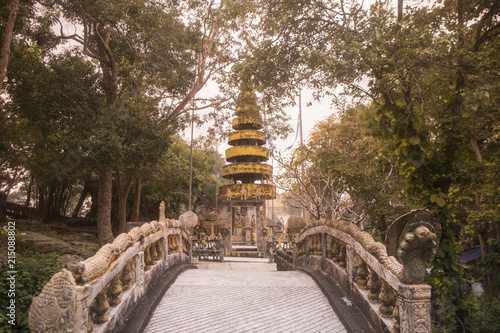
(243, 297)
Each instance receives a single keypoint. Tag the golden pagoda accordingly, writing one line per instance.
(250, 177)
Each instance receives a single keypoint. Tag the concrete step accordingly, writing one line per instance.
(244, 247)
(245, 254)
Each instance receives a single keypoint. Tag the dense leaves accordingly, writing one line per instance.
(431, 81)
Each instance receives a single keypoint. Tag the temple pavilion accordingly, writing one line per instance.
(249, 175)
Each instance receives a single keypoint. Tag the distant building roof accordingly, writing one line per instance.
(223, 214)
(469, 255)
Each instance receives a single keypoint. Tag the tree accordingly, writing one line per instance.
(137, 59)
(169, 181)
(432, 76)
(136, 56)
(7, 39)
(49, 113)
(365, 165)
(349, 174)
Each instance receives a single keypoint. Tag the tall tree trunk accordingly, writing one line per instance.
(137, 200)
(83, 196)
(7, 39)
(47, 208)
(400, 10)
(40, 202)
(105, 190)
(28, 192)
(122, 200)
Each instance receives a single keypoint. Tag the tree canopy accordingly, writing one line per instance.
(417, 95)
(430, 78)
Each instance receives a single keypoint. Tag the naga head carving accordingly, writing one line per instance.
(53, 310)
(413, 239)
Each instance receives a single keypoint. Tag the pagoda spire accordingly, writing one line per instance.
(249, 175)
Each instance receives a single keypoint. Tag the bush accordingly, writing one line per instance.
(486, 314)
(34, 270)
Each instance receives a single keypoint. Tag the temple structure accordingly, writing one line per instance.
(249, 175)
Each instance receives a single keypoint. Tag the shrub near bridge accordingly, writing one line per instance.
(34, 270)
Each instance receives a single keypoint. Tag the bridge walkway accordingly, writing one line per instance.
(243, 296)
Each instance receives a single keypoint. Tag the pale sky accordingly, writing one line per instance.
(310, 115)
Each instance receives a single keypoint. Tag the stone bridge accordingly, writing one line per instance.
(370, 287)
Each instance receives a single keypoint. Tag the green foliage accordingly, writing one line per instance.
(4, 325)
(170, 180)
(350, 172)
(34, 270)
(484, 314)
(246, 104)
(434, 90)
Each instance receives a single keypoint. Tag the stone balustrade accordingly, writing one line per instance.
(98, 294)
(209, 248)
(386, 282)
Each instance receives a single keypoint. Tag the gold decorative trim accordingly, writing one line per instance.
(247, 192)
(240, 121)
(260, 153)
(247, 167)
(246, 135)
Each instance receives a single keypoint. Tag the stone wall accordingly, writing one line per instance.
(98, 294)
(387, 287)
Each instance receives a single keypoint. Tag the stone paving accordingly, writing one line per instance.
(242, 296)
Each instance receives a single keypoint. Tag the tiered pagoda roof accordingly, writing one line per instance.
(247, 169)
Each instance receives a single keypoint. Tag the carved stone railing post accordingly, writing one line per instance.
(139, 272)
(362, 274)
(153, 253)
(180, 245)
(414, 308)
(336, 250)
(295, 254)
(165, 249)
(307, 250)
(374, 285)
(323, 250)
(318, 245)
(396, 327)
(115, 289)
(387, 299)
(350, 267)
(342, 255)
(159, 249)
(127, 276)
(101, 305)
(329, 246)
(82, 308)
(147, 258)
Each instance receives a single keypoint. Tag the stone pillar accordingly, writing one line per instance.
(307, 251)
(230, 226)
(323, 251)
(257, 227)
(82, 308)
(139, 273)
(181, 248)
(248, 235)
(294, 253)
(165, 249)
(349, 268)
(264, 224)
(415, 308)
